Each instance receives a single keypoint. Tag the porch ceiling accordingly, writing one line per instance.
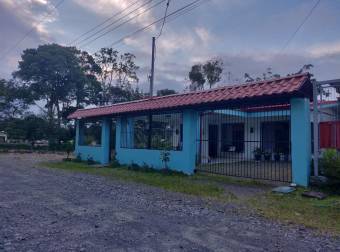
(255, 93)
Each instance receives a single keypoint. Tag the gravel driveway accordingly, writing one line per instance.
(52, 210)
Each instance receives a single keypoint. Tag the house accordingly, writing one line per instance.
(259, 130)
(3, 137)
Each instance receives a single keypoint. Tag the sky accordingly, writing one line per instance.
(248, 35)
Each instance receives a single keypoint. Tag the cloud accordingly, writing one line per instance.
(108, 8)
(204, 35)
(36, 14)
(324, 50)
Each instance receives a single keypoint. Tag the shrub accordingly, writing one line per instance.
(90, 160)
(165, 158)
(78, 158)
(330, 163)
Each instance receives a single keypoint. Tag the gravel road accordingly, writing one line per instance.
(52, 210)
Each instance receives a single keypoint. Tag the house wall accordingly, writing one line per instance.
(183, 161)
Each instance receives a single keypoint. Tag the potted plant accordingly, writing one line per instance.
(277, 155)
(258, 154)
(165, 158)
(267, 155)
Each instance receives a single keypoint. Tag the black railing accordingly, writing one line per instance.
(246, 142)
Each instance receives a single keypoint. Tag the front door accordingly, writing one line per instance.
(213, 140)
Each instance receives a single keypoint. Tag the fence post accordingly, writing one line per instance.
(315, 129)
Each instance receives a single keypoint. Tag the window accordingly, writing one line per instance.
(166, 132)
(158, 132)
(140, 132)
(275, 136)
(90, 133)
(232, 137)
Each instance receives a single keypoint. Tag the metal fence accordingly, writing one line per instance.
(252, 142)
(327, 115)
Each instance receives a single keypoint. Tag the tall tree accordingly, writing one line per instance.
(196, 78)
(51, 73)
(118, 73)
(212, 71)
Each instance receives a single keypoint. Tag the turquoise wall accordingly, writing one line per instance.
(184, 160)
(300, 140)
(100, 154)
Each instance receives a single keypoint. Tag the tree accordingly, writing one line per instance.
(87, 88)
(270, 75)
(212, 71)
(13, 99)
(196, 78)
(163, 92)
(52, 73)
(118, 73)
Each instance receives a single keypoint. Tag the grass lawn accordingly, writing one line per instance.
(323, 215)
(172, 182)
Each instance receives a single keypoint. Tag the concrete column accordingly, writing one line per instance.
(118, 134)
(300, 140)
(130, 133)
(79, 136)
(190, 123)
(106, 131)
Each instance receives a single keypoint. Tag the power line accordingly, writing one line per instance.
(178, 12)
(166, 11)
(102, 23)
(300, 26)
(119, 25)
(29, 32)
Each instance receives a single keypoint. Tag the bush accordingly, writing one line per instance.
(330, 163)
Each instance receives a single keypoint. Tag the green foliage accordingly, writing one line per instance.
(118, 73)
(196, 77)
(90, 160)
(210, 73)
(163, 92)
(13, 99)
(294, 208)
(330, 163)
(57, 75)
(165, 158)
(78, 158)
(171, 181)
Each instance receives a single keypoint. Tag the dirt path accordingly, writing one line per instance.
(51, 210)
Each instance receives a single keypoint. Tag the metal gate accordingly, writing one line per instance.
(326, 114)
(251, 142)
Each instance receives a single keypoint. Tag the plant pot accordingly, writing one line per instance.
(257, 157)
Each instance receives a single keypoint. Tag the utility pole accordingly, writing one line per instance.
(152, 66)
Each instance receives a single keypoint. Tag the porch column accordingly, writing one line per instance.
(118, 135)
(190, 123)
(79, 136)
(106, 130)
(129, 132)
(300, 140)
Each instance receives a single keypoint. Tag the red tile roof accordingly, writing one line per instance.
(288, 86)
